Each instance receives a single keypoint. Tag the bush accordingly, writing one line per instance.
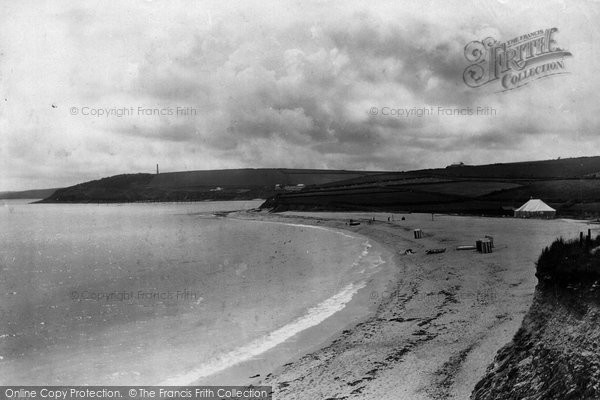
(569, 261)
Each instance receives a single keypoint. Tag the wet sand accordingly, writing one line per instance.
(438, 323)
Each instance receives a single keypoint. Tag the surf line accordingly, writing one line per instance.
(314, 316)
(366, 245)
(339, 232)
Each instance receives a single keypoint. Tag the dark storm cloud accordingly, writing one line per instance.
(305, 94)
(422, 53)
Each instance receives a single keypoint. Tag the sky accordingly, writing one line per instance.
(97, 88)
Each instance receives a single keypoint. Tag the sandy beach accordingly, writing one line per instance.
(438, 322)
(304, 302)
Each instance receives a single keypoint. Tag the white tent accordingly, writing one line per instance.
(535, 208)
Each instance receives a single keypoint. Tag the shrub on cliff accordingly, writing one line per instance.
(570, 261)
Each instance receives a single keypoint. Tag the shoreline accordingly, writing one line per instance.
(423, 327)
(358, 309)
(436, 327)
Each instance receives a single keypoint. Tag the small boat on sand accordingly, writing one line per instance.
(435, 251)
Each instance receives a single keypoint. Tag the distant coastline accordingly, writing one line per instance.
(34, 194)
(213, 185)
(571, 186)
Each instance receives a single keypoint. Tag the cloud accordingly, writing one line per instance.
(278, 85)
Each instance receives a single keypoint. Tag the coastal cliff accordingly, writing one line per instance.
(554, 355)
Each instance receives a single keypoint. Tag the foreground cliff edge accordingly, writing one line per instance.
(554, 355)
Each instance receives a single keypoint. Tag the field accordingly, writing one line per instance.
(556, 191)
(571, 186)
(568, 185)
(468, 188)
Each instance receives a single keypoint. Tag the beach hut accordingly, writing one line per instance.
(484, 245)
(535, 208)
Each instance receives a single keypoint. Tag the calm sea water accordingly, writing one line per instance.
(160, 293)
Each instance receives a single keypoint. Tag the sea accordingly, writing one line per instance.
(161, 293)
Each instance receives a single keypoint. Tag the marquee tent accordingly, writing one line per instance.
(535, 208)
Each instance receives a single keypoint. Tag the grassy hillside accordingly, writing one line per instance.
(568, 168)
(547, 169)
(237, 184)
(568, 185)
(572, 186)
(252, 177)
(128, 187)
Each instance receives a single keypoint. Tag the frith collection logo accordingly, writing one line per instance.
(514, 63)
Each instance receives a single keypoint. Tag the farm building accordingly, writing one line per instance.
(535, 208)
